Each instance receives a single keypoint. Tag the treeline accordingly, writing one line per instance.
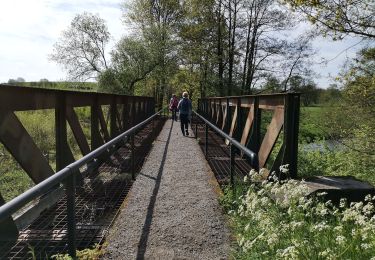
(65, 85)
(213, 47)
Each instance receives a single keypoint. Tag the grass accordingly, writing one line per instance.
(40, 125)
(311, 128)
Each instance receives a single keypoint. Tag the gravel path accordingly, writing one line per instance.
(172, 210)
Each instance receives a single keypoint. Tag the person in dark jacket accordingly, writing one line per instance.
(185, 108)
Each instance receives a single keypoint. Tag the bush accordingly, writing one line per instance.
(275, 220)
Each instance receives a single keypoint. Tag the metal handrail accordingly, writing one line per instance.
(253, 156)
(41, 188)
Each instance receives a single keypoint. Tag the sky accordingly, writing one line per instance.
(29, 28)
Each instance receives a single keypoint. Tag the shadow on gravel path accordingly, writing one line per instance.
(150, 209)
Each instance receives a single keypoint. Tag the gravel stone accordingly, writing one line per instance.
(172, 210)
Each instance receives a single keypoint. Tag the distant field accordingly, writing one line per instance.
(311, 128)
(78, 86)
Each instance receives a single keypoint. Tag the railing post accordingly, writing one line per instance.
(125, 114)
(206, 143)
(70, 207)
(292, 104)
(95, 133)
(153, 132)
(232, 164)
(239, 128)
(133, 112)
(254, 141)
(132, 156)
(61, 132)
(113, 123)
(229, 117)
(196, 127)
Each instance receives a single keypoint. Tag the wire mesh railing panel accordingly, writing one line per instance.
(218, 155)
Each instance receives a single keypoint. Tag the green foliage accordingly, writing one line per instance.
(81, 48)
(338, 162)
(338, 18)
(310, 127)
(60, 85)
(93, 253)
(133, 60)
(274, 220)
(108, 82)
(41, 127)
(13, 180)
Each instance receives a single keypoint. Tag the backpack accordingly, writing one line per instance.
(173, 103)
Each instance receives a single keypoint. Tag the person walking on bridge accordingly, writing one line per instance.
(173, 103)
(185, 108)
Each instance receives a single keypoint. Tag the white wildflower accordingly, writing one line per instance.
(284, 168)
(272, 239)
(320, 226)
(338, 228)
(287, 253)
(325, 253)
(343, 203)
(340, 240)
(247, 227)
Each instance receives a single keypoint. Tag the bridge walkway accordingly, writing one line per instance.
(172, 209)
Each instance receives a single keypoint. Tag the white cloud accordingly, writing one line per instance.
(28, 30)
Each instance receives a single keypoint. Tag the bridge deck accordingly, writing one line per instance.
(172, 209)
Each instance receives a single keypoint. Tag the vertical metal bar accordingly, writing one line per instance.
(125, 114)
(95, 133)
(153, 132)
(132, 156)
(133, 111)
(232, 164)
(60, 131)
(63, 153)
(229, 118)
(70, 207)
(239, 128)
(206, 143)
(196, 127)
(113, 109)
(292, 105)
(254, 140)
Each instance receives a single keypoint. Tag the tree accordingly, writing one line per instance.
(339, 17)
(81, 48)
(132, 61)
(297, 59)
(306, 87)
(262, 19)
(357, 104)
(17, 80)
(20, 79)
(272, 85)
(157, 22)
